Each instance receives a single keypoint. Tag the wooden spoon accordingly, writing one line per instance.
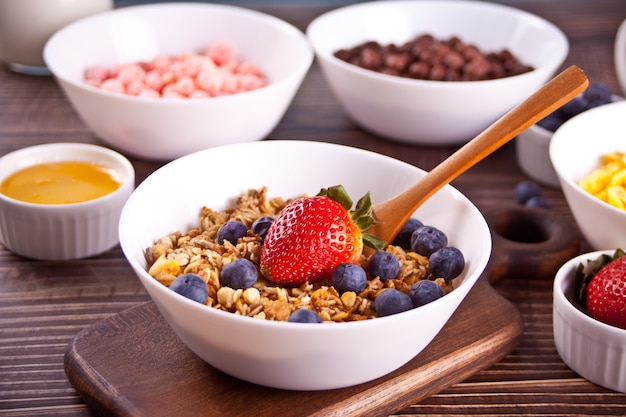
(393, 213)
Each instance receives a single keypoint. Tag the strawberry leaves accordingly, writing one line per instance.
(585, 273)
(361, 214)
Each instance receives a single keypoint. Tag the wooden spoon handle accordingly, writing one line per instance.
(394, 212)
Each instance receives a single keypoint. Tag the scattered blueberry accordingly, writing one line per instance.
(424, 292)
(240, 273)
(552, 121)
(383, 265)
(304, 316)
(391, 301)
(348, 277)
(447, 263)
(595, 95)
(427, 239)
(232, 230)
(191, 286)
(538, 201)
(261, 226)
(526, 190)
(573, 107)
(403, 238)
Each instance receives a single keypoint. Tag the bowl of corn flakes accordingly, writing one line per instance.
(588, 153)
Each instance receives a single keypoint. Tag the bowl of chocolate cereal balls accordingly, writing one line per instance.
(159, 81)
(433, 72)
(270, 276)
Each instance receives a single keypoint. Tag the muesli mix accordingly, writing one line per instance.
(198, 251)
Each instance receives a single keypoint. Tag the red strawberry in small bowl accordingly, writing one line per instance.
(589, 317)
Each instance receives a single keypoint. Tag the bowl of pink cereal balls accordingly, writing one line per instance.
(160, 81)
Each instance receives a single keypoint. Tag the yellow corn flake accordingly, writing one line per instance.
(618, 157)
(608, 181)
(616, 196)
(597, 181)
(619, 178)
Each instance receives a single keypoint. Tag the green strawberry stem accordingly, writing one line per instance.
(361, 215)
(584, 273)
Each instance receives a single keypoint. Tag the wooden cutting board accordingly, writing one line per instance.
(132, 364)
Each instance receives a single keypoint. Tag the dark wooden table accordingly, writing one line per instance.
(43, 305)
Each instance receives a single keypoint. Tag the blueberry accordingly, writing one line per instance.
(576, 106)
(232, 230)
(383, 265)
(552, 121)
(538, 201)
(447, 263)
(403, 238)
(427, 239)
(425, 291)
(240, 273)
(597, 94)
(261, 226)
(348, 277)
(304, 316)
(191, 286)
(391, 301)
(526, 190)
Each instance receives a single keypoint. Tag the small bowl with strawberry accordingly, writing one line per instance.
(590, 317)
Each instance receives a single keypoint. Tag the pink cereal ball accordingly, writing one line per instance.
(154, 80)
(131, 73)
(135, 87)
(217, 72)
(96, 74)
(113, 85)
(148, 92)
(199, 94)
(185, 86)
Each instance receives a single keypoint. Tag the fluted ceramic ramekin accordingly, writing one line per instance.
(594, 350)
(63, 231)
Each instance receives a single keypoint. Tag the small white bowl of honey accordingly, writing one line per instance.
(62, 201)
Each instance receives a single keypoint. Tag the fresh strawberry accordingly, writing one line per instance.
(606, 294)
(312, 235)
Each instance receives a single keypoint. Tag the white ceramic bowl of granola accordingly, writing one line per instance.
(295, 356)
(63, 231)
(575, 151)
(594, 350)
(166, 128)
(429, 112)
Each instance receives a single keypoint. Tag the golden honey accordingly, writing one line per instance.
(64, 182)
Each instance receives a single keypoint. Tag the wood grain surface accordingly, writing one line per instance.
(44, 305)
(134, 365)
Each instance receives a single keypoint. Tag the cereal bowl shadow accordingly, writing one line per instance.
(295, 356)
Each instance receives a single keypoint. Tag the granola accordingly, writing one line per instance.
(197, 251)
